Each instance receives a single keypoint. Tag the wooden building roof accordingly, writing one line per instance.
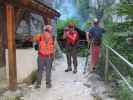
(39, 8)
(34, 6)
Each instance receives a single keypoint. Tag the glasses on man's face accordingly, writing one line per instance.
(66, 30)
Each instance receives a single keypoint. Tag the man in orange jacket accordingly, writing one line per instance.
(45, 55)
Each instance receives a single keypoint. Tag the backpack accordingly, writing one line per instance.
(96, 35)
(36, 46)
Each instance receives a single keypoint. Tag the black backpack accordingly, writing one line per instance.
(36, 46)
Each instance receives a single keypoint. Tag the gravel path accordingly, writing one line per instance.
(65, 86)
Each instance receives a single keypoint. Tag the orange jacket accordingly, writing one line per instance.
(46, 44)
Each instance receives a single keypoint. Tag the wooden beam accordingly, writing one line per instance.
(0, 28)
(1, 37)
(11, 46)
(47, 20)
(38, 8)
(4, 35)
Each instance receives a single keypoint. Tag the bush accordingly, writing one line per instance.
(123, 92)
(119, 43)
(87, 25)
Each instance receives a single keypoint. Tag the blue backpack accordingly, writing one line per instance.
(96, 34)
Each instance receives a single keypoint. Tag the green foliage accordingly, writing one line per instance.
(110, 26)
(119, 43)
(125, 26)
(83, 52)
(87, 24)
(123, 92)
(125, 8)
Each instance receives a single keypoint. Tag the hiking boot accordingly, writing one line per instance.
(48, 85)
(93, 70)
(38, 85)
(75, 71)
(68, 70)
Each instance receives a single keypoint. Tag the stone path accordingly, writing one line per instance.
(66, 86)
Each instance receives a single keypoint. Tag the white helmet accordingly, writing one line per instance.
(95, 20)
(47, 27)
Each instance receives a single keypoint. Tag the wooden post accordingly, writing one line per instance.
(1, 38)
(47, 20)
(11, 46)
(4, 36)
(106, 64)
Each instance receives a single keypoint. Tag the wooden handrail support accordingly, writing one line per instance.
(11, 46)
(108, 62)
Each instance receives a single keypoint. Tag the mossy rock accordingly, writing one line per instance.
(31, 78)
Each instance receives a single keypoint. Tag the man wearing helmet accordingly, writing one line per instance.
(45, 55)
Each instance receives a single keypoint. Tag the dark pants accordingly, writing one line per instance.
(72, 54)
(44, 64)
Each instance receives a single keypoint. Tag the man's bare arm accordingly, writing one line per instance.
(88, 38)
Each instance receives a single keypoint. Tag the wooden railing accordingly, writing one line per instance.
(109, 63)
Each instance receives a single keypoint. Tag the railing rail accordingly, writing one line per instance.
(108, 62)
(125, 60)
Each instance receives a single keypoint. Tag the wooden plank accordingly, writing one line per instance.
(11, 46)
(47, 20)
(0, 28)
(4, 35)
(1, 37)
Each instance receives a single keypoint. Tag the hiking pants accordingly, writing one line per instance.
(44, 64)
(72, 55)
